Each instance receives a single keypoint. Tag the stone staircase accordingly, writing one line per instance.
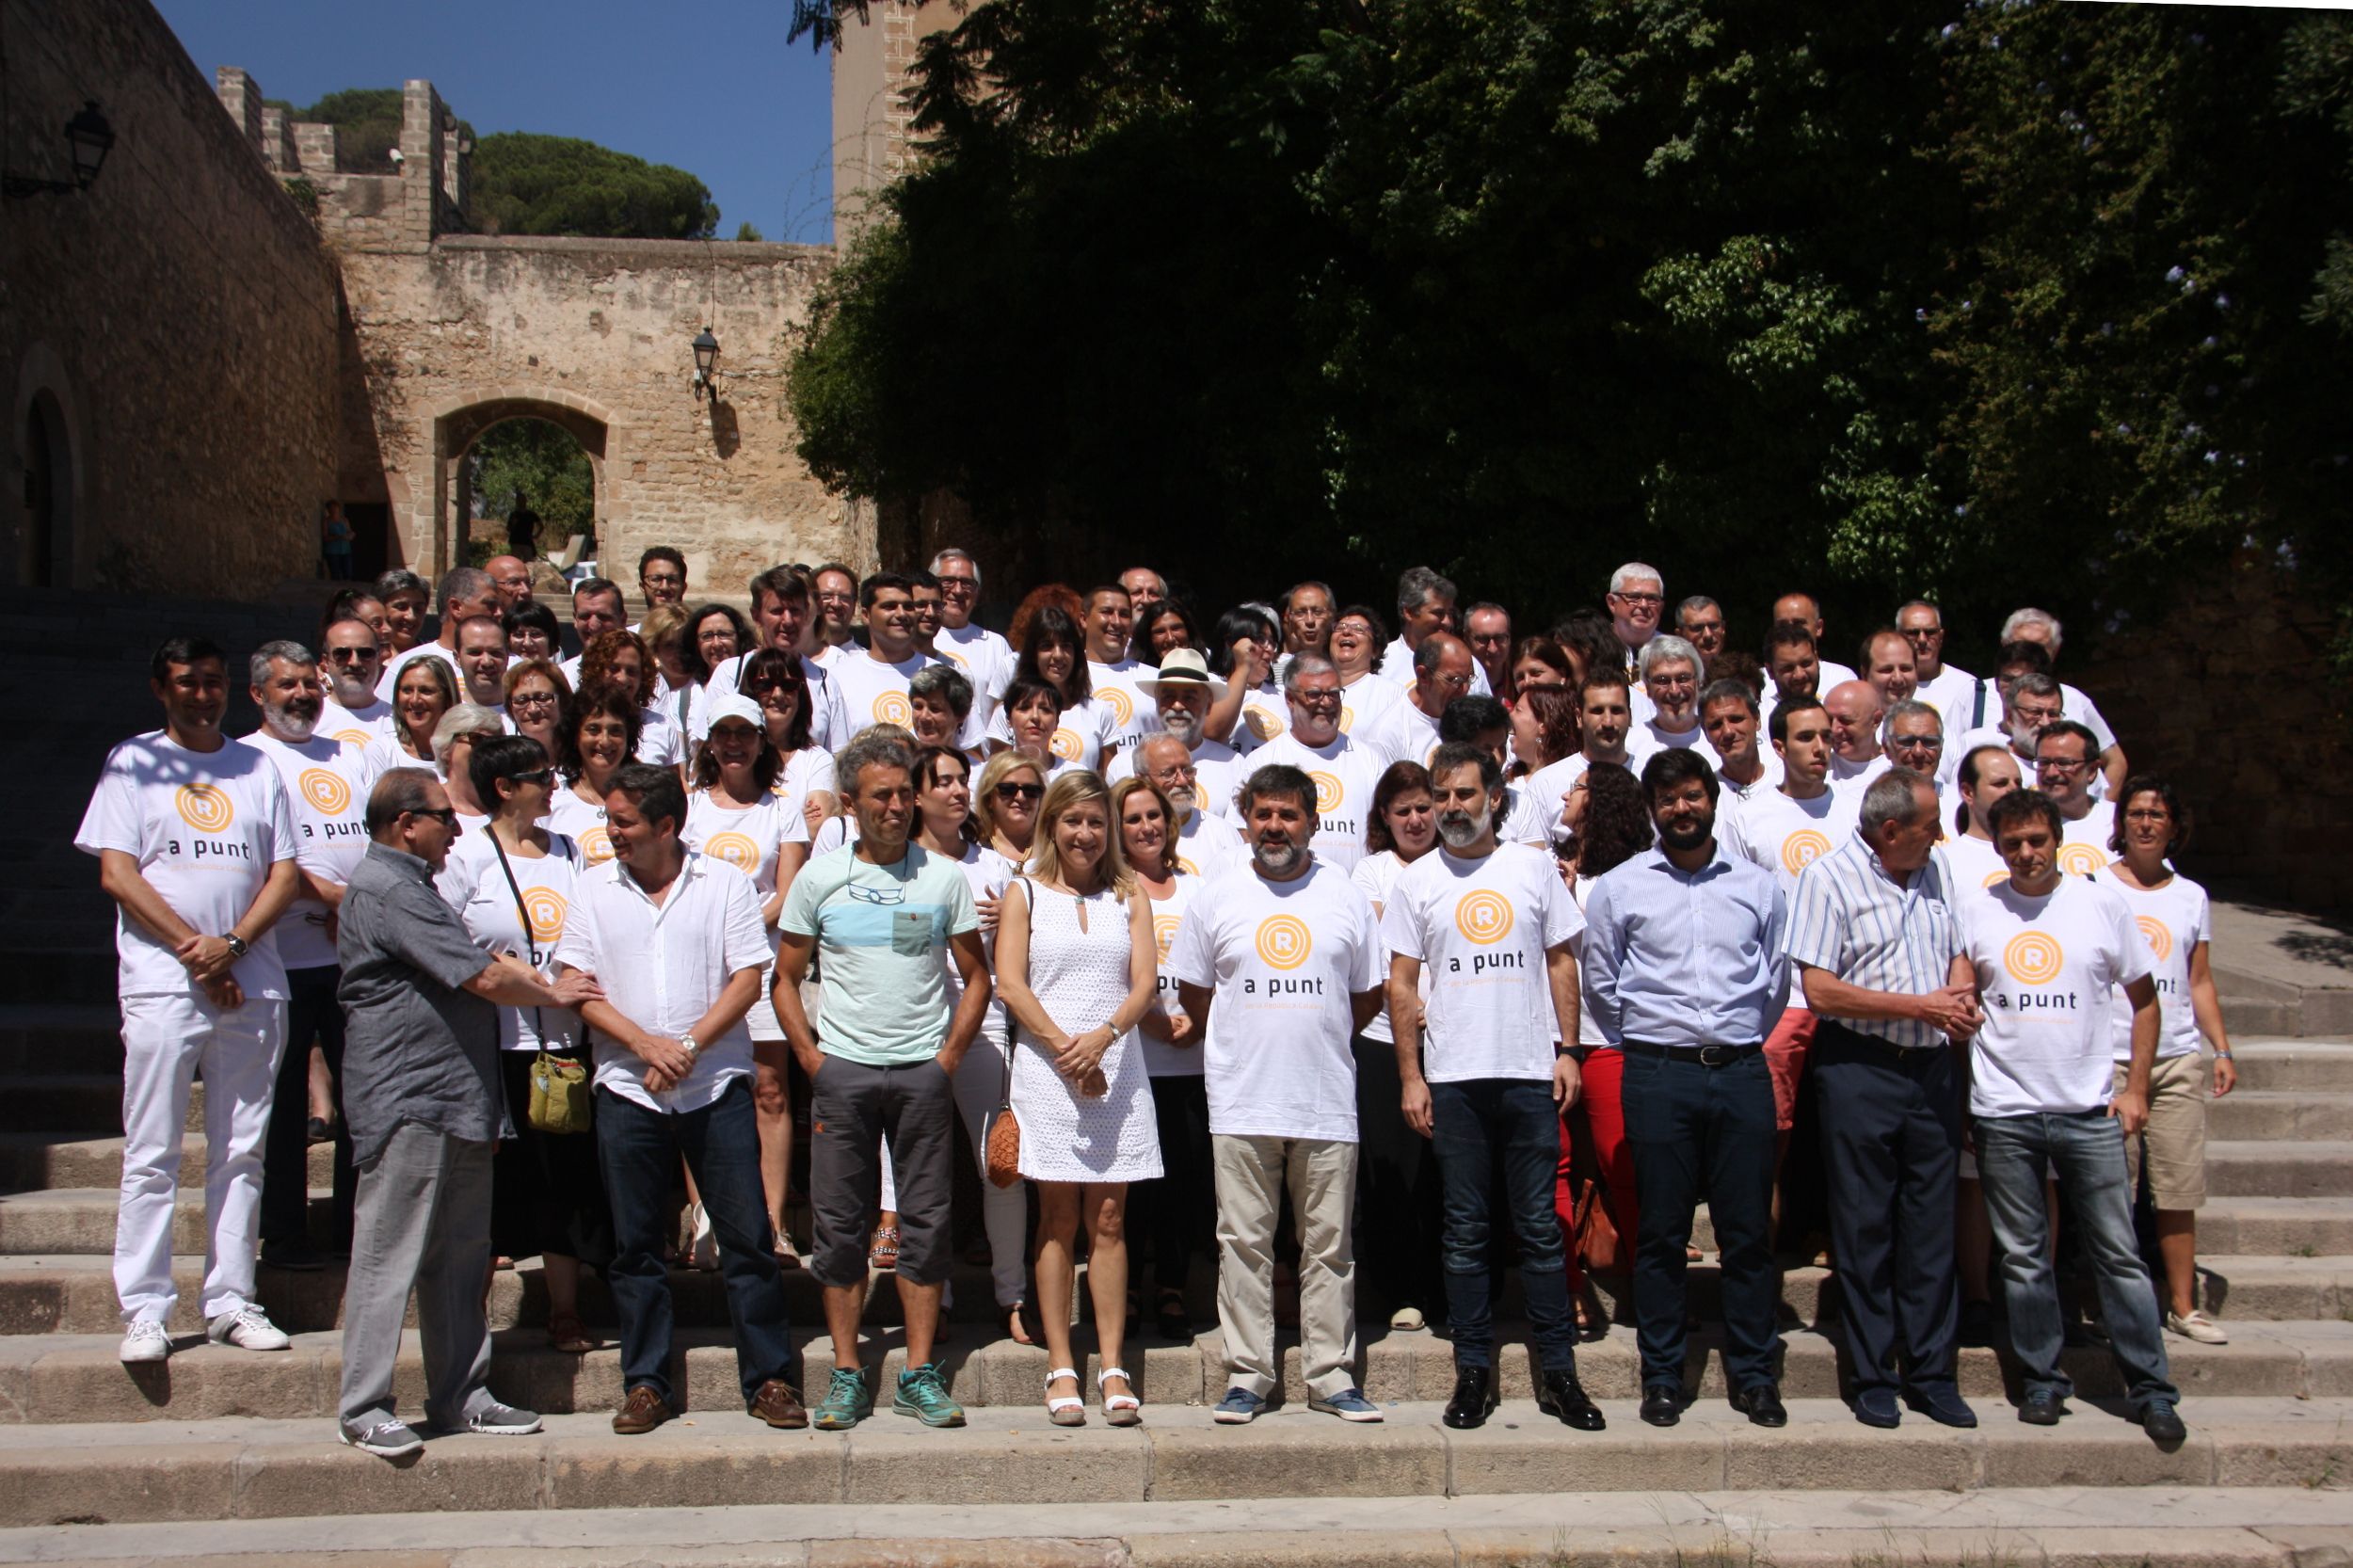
(224, 1455)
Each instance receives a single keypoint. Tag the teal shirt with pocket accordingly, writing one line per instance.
(880, 932)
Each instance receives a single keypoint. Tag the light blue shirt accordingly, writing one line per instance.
(1857, 923)
(1685, 958)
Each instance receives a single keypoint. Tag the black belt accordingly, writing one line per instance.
(1837, 1030)
(1707, 1056)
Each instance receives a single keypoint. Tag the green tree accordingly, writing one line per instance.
(748, 231)
(367, 126)
(535, 458)
(526, 184)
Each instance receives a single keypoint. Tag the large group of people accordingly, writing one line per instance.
(1385, 945)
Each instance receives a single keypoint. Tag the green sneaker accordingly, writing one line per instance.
(845, 1404)
(924, 1395)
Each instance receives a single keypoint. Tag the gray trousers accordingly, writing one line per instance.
(424, 1221)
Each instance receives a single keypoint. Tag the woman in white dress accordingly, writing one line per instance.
(511, 883)
(600, 733)
(1179, 1210)
(1076, 970)
(735, 815)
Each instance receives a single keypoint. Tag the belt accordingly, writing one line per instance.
(1707, 1056)
(1837, 1029)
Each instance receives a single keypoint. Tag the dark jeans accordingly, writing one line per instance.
(1697, 1131)
(1180, 1208)
(639, 1150)
(1399, 1196)
(1891, 1144)
(2084, 1152)
(312, 1014)
(1477, 1126)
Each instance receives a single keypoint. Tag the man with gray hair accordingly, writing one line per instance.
(985, 658)
(1885, 969)
(1146, 588)
(1637, 596)
(424, 1096)
(2039, 626)
(1345, 772)
(1913, 736)
(326, 786)
(467, 594)
(1700, 621)
(1425, 607)
(1669, 710)
(1407, 731)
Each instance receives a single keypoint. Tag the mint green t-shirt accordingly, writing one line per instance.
(880, 932)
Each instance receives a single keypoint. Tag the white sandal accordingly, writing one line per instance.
(1064, 1410)
(1120, 1410)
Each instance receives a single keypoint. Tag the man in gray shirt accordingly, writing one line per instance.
(421, 1091)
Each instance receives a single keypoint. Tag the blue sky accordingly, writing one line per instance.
(711, 88)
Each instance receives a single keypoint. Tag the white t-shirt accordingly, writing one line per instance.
(1366, 700)
(385, 753)
(659, 741)
(478, 890)
(390, 680)
(1345, 775)
(1786, 836)
(1218, 771)
(1133, 711)
(1208, 846)
(2084, 843)
(1284, 960)
(1266, 715)
(1401, 733)
(987, 661)
(806, 772)
(1857, 776)
(1481, 929)
(2174, 919)
(2046, 968)
(206, 829)
(1160, 1059)
(582, 822)
(828, 721)
(327, 790)
(1375, 876)
(359, 727)
(1548, 787)
(873, 692)
(747, 838)
(985, 872)
(1524, 822)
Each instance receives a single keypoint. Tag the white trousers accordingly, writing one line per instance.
(166, 1042)
(980, 1087)
(1251, 1174)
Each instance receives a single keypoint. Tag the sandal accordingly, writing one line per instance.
(1120, 1410)
(1172, 1319)
(1064, 1410)
(1017, 1329)
(567, 1334)
(883, 1252)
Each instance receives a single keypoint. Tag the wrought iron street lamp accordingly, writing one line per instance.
(89, 139)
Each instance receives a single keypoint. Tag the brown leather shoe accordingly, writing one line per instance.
(778, 1403)
(641, 1411)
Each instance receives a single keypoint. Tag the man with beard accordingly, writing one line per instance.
(1685, 972)
(1485, 1073)
(327, 785)
(1345, 772)
(353, 660)
(1605, 728)
(1182, 692)
(1287, 953)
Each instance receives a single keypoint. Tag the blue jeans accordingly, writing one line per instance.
(639, 1150)
(1477, 1126)
(2084, 1151)
(1699, 1130)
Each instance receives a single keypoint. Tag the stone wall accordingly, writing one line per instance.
(2229, 697)
(873, 116)
(174, 328)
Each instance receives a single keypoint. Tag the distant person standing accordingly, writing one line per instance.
(335, 537)
(523, 528)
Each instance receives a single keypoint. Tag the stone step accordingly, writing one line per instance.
(2279, 1116)
(2294, 1066)
(34, 1161)
(260, 1469)
(60, 1377)
(2241, 1289)
(2284, 1525)
(2290, 1227)
(82, 1219)
(64, 1104)
(2310, 1168)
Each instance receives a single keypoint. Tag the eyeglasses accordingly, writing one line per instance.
(2060, 764)
(1641, 599)
(446, 816)
(532, 699)
(1916, 742)
(958, 585)
(1020, 791)
(1176, 770)
(876, 895)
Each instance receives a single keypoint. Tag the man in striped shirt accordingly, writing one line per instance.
(1880, 953)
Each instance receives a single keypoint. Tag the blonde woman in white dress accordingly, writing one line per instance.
(1077, 968)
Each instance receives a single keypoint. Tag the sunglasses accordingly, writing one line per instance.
(1020, 791)
(446, 816)
(536, 775)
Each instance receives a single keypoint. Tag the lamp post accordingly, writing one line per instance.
(706, 365)
(89, 138)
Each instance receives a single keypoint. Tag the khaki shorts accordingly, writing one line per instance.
(2175, 1140)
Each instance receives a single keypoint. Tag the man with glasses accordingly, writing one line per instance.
(1205, 843)
(1941, 686)
(352, 661)
(511, 577)
(1670, 691)
(661, 578)
(1700, 621)
(1636, 598)
(1407, 731)
(1346, 771)
(985, 658)
(1182, 692)
(2066, 763)
(424, 1096)
(2031, 700)
(1913, 736)
(2040, 629)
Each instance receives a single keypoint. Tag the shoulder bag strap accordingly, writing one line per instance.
(522, 913)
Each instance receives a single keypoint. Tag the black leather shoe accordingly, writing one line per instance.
(1662, 1404)
(2043, 1408)
(1876, 1407)
(2160, 1420)
(1474, 1397)
(1763, 1405)
(1945, 1406)
(1559, 1393)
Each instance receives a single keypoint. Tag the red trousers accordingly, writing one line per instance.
(1605, 1120)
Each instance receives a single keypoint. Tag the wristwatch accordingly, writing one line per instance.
(236, 945)
(692, 1049)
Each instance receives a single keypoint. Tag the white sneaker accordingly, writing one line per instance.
(2192, 1325)
(145, 1340)
(248, 1328)
(1407, 1318)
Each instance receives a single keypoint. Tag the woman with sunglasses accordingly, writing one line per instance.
(775, 681)
(619, 660)
(425, 691)
(1004, 808)
(1078, 969)
(598, 735)
(1085, 733)
(1179, 1210)
(536, 693)
(511, 883)
(734, 814)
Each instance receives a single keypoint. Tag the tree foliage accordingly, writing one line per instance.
(1952, 298)
(526, 184)
(534, 458)
(367, 127)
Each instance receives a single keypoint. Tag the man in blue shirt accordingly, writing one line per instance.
(1686, 973)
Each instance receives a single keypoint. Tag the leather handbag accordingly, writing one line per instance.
(1599, 1247)
(1004, 1136)
(562, 1096)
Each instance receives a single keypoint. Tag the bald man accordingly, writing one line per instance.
(1855, 708)
(1806, 612)
(512, 579)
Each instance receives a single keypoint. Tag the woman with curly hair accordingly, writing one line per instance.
(618, 660)
(600, 733)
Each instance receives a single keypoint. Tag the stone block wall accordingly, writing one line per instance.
(2229, 697)
(179, 318)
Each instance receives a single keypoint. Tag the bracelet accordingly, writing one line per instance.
(2222, 1053)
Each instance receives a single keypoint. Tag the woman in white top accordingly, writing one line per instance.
(1031, 723)
(2176, 920)
(939, 700)
(1085, 734)
(1397, 1177)
(1077, 968)
(735, 815)
(423, 692)
(599, 733)
(535, 694)
(1179, 1210)
(714, 635)
(1360, 640)
(618, 660)
(1005, 805)
(775, 681)
(511, 883)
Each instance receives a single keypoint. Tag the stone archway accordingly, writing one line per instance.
(436, 530)
(45, 437)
